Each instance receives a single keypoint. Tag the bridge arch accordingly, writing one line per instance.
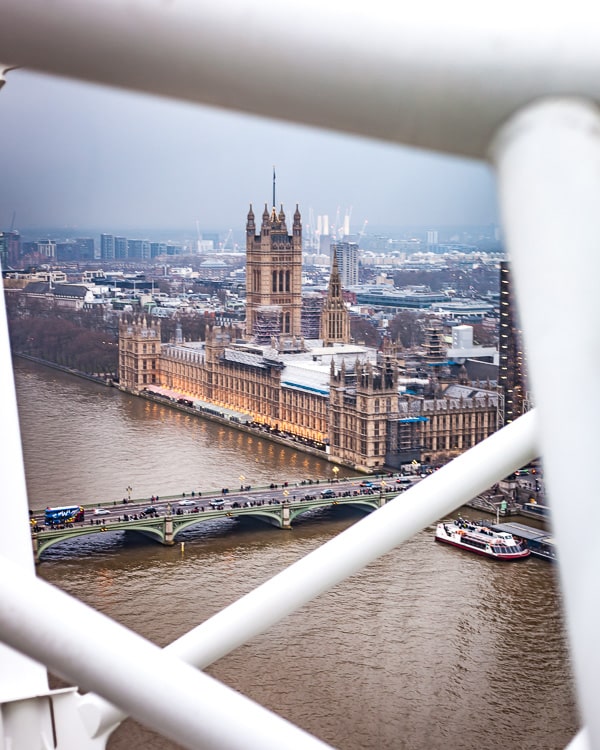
(43, 540)
(271, 515)
(181, 523)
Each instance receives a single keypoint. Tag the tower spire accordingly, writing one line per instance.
(274, 204)
(335, 322)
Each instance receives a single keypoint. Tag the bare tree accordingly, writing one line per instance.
(363, 330)
(407, 328)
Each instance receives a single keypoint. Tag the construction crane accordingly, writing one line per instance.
(224, 245)
(336, 229)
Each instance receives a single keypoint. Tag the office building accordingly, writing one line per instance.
(138, 249)
(347, 261)
(512, 377)
(121, 248)
(107, 247)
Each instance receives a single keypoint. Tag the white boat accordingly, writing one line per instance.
(481, 539)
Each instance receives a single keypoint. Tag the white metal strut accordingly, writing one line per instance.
(518, 87)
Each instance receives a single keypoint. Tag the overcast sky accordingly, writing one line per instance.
(80, 156)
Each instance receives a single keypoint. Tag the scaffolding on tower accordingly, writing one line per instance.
(267, 324)
(310, 322)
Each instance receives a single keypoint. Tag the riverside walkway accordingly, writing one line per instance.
(163, 525)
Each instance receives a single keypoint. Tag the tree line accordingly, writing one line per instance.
(87, 340)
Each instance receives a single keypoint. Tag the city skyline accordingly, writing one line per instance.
(81, 157)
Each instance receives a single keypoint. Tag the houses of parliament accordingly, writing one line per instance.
(329, 393)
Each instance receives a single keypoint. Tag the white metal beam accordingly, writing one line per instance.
(435, 75)
(173, 698)
(19, 676)
(548, 159)
(423, 76)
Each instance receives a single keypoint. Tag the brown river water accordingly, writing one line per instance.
(428, 647)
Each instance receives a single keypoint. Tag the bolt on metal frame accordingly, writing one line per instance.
(518, 88)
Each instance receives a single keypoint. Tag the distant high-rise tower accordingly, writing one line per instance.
(107, 247)
(138, 249)
(121, 248)
(274, 272)
(347, 260)
(10, 248)
(335, 321)
(4, 250)
(512, 379)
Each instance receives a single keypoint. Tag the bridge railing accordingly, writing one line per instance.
(518, 88)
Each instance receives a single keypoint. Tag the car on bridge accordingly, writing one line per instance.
(101, 512)
(217, 504)
(189, 501)
(328, 493)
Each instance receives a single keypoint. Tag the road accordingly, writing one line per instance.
(275, 494)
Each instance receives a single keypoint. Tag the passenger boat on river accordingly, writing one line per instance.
(540, 542)
(480, 539)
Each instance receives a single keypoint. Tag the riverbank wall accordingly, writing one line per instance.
(107, 381)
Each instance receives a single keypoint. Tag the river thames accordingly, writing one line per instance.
(428, 647)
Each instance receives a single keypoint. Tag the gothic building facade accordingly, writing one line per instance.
(139, 354)
(362, 402)
(342, 399)
(335, 320)
(273, 275)
(336, 396)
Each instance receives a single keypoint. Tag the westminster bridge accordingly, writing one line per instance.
(166, 528)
